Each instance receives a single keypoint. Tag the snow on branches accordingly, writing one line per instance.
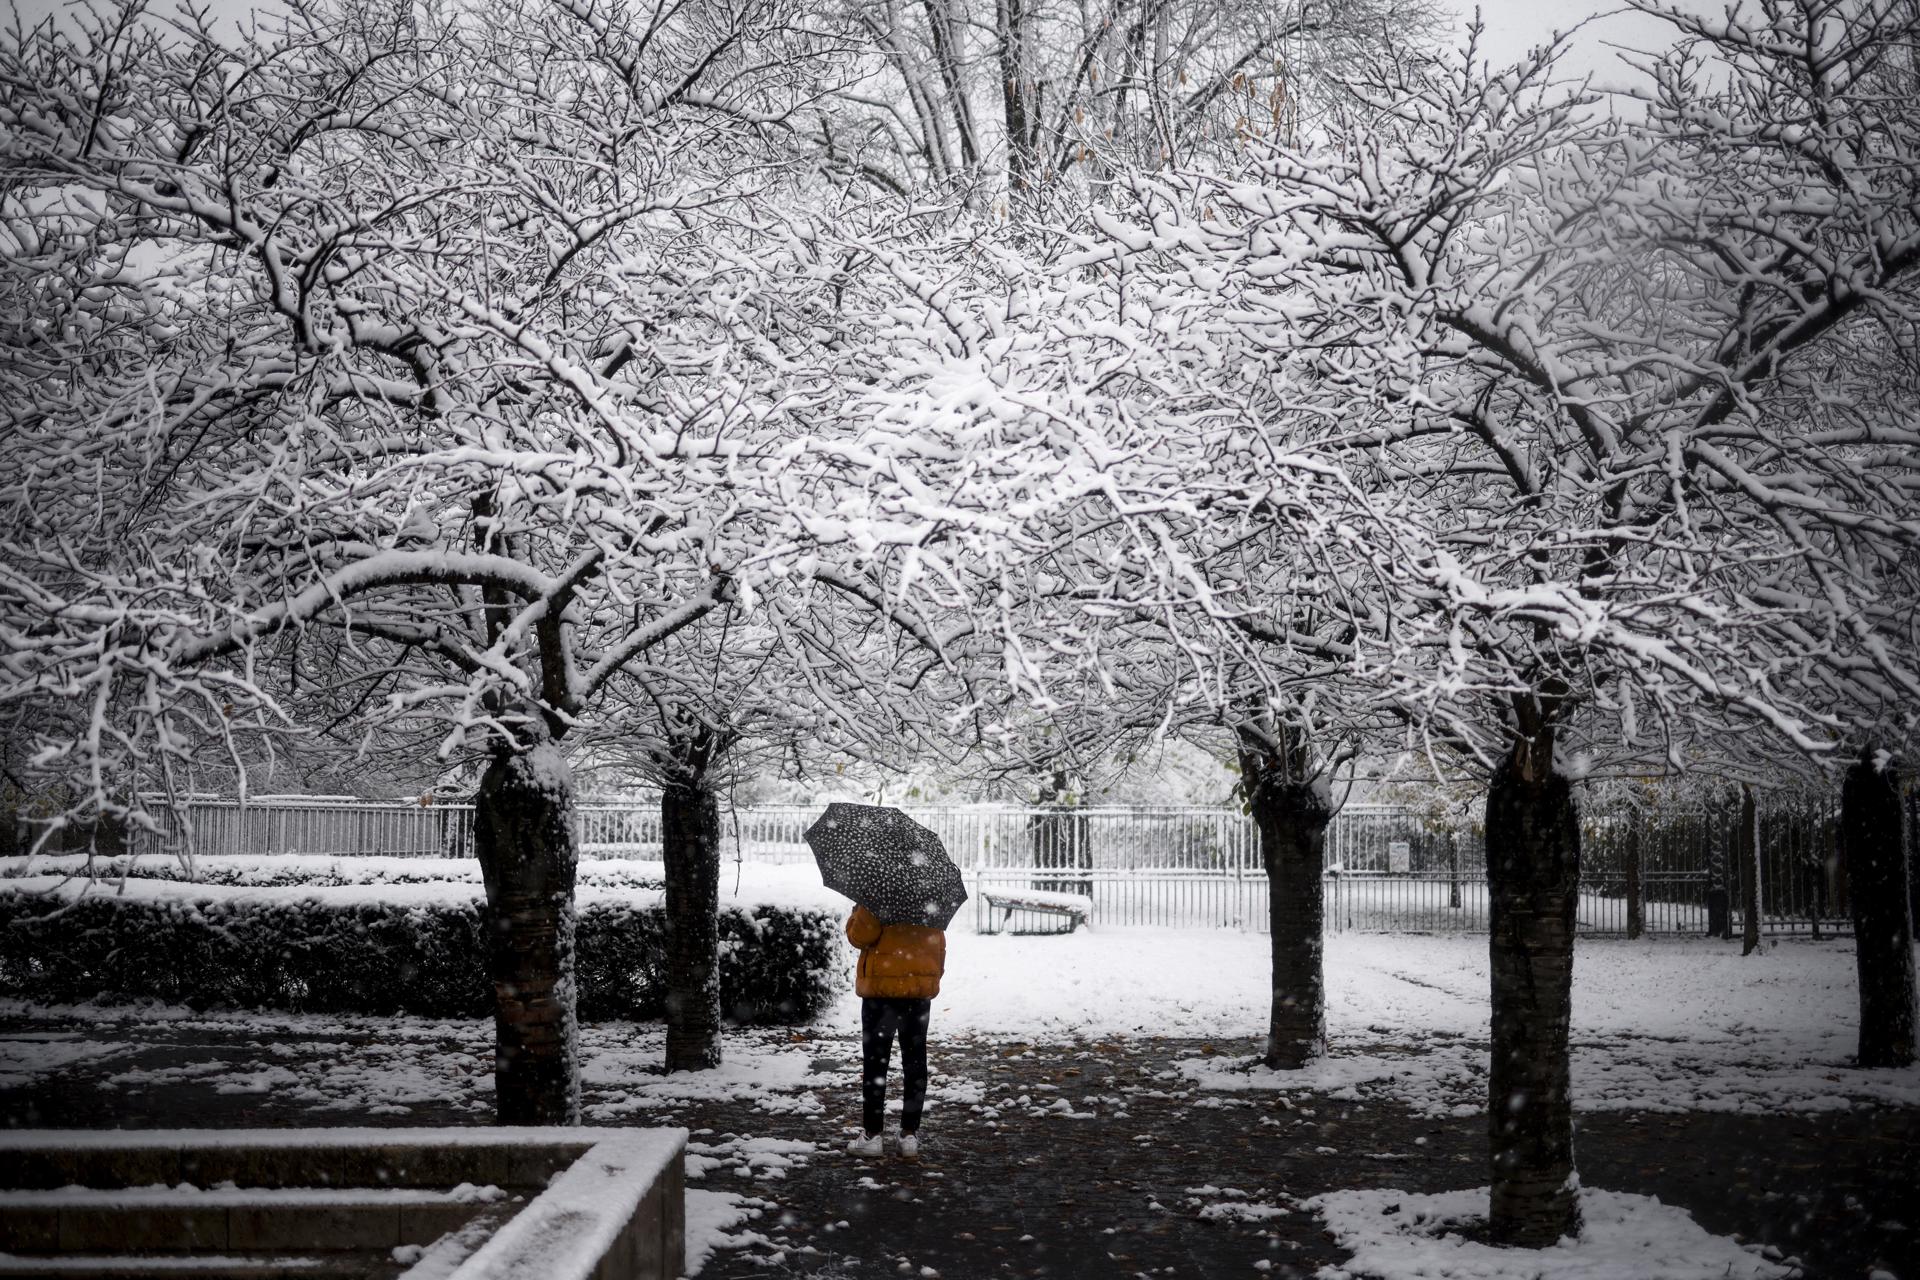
(403, 372)
(1625, 393)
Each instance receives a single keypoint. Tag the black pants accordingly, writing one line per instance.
(881, 1017)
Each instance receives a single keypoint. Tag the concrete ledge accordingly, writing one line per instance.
(259, 1228)
(425, 1223)
(599, 1204)
(618, 1211)
(28, 1227)
(288, 1158)
(212, 1267)
(107, 1230)
(236, 1218)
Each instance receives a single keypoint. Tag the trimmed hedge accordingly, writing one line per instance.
(309, 871)
(777, 965)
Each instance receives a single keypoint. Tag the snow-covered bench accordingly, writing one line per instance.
(1076, 907)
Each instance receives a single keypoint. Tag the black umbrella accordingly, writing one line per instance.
(888, 863)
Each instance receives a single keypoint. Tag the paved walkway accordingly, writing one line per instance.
(1064, 1160)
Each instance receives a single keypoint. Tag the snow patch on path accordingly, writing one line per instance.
(1395, 1235)
(389, 1077)
(749, 1157)
(714, 1221)
(1449, 1079)
(25, 1058)
(622, 1066)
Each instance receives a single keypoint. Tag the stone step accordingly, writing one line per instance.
(244, 1221)
(109, 1266)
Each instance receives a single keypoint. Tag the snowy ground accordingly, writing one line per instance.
(1771, 1030)
(1659, 1026)
(1623, 1237)
(1407, 1017)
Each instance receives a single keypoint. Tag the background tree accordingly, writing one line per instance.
(820, 671)
(1025, 96)
(419, 341)
(1556, 336)
(1174, 579)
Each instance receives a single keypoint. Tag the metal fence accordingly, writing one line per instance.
(1389, 868)
(1443, 902)
(1684, 853)
(308, 824)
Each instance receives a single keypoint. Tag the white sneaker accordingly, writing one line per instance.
(867, 1147)
(910, 1146)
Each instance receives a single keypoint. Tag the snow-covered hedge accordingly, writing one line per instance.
(396, 949)
(310, 871)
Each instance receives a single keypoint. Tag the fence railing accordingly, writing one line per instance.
(1180, 837)
(1389, 868)
(282, 825)
(1440, 902)
(1355, 902)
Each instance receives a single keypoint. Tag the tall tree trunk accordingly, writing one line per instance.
(1839, 897)
(1636, 891)
(524, 838)
(14, 839)
(1913, 856)
(1749, 872)
(1011, 27)
(1873, 843)
(1292, 816)
(1059, 835)
(690, 847)
(1533, 876)
(947, 39)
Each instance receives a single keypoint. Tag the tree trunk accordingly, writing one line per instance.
(1636, 892)
(1010, 25)
(690, 847)
(1839, 900)
(1913, 856)
(944, 33)
(15, 838)
(1873, 840)
(1749, 872)
(525, 842)
(1059, 836)
(1533, 875)
(1292, 818)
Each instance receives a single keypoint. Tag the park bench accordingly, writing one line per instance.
(1075, 907)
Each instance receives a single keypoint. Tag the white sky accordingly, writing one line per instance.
(1513, 26)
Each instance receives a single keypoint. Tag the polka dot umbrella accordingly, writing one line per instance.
(888, 863)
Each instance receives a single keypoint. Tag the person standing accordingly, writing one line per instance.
(898, 976)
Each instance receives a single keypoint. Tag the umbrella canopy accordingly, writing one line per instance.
(888, 863)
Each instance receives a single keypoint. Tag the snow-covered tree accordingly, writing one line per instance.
(1560, 354)
(463, 347)
(1025, 96)
(1207, 605)
(1182, 581)
(1799, 127)
(822, 670)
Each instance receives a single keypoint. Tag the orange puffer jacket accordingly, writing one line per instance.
(901, 960)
